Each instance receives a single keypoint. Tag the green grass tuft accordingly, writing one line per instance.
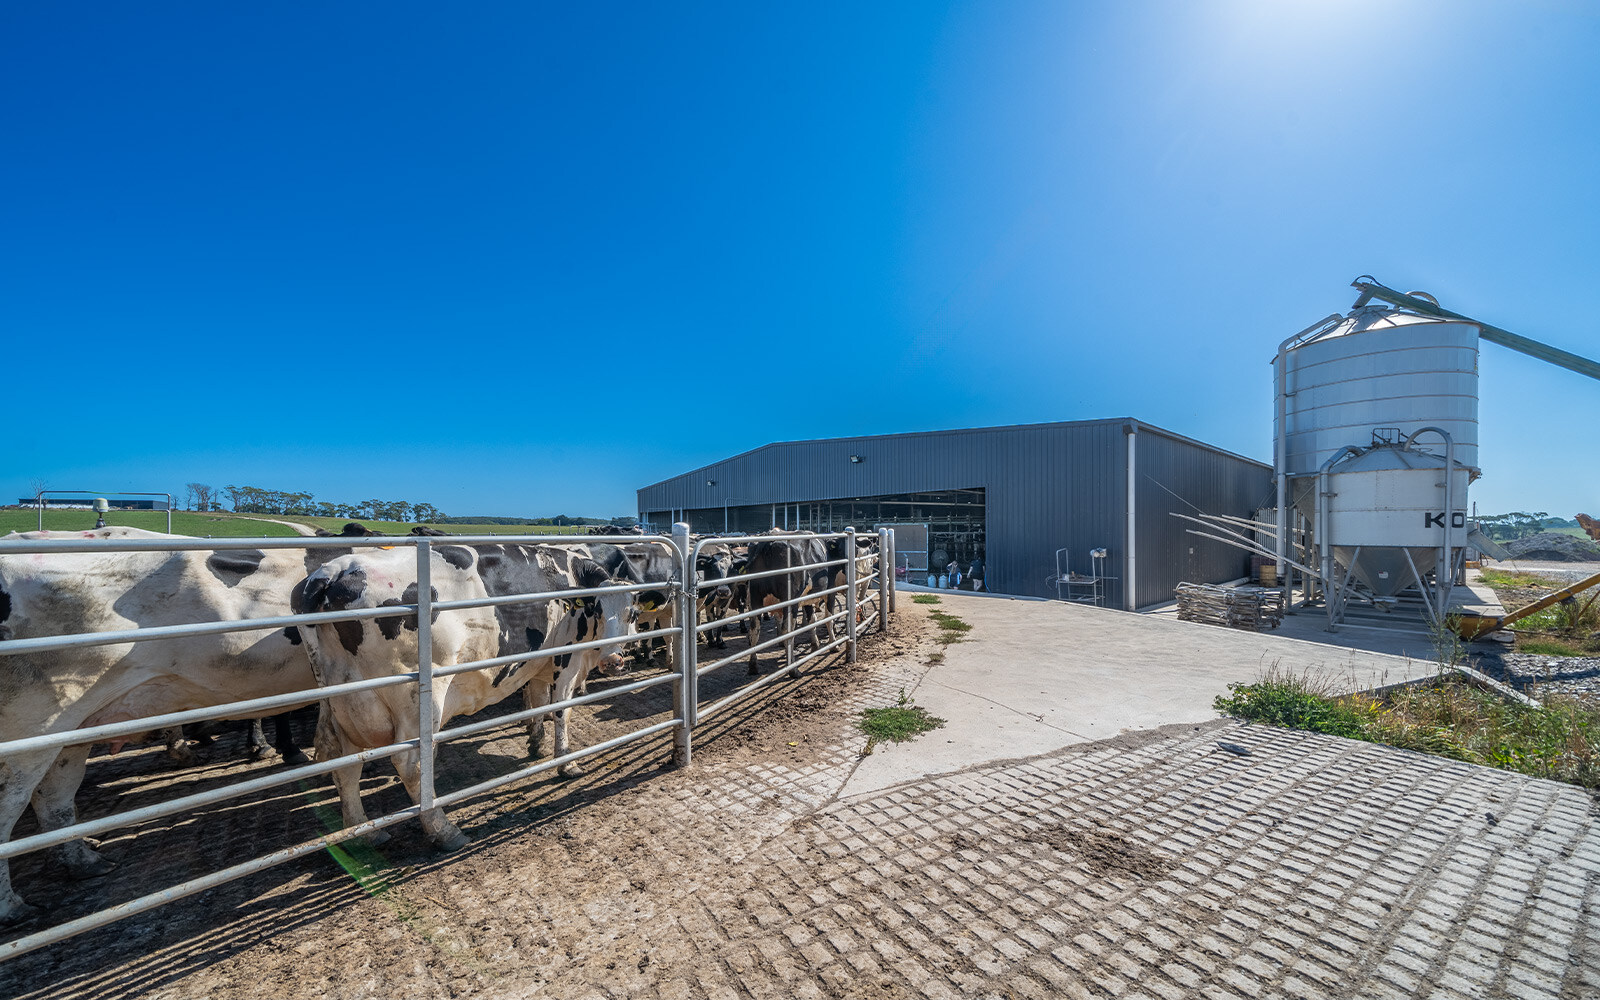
(1504, 579)
(897, 723)
(951, 628)
(1290, 702)
(924, 598)
(1549, 647)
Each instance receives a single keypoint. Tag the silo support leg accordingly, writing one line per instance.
(1422, 589)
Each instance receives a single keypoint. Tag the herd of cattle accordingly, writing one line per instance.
(59, 690)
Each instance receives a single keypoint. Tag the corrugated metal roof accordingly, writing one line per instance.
(1142, 426)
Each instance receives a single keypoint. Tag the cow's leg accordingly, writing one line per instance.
(714, 636)
(535, 694)
(177, 746)
(347, 779)
(256, 746)
(443, 834)
(55, 806)
(283, 739)
(566, 681)
(20, 774)
(808, 614)
(752, 633)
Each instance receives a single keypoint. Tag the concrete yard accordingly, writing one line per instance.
(1041, 675)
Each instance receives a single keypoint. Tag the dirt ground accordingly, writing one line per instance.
(405, 920)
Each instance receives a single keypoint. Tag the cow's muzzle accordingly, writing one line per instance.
(612, 664)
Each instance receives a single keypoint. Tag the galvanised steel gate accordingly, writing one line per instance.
(866, 584)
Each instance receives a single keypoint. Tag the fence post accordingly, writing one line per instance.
(686, 689)
(850, 595)
(425, 672)
(893, 567)
(886, 571)
(789, 614)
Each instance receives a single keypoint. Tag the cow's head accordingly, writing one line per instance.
(714, 564)
(603, 616)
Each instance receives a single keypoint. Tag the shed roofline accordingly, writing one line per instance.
(1127, 421)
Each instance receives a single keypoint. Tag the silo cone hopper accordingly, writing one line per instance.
(1384, 570)
(1392, 516)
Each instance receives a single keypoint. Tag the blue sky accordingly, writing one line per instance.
(487, 256)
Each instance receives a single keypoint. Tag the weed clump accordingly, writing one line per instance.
(951, 628)
(1446, 718)
(898, 723)
(925, 599)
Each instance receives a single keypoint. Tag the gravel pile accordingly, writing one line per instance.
(1545, 675)
(1553, 547)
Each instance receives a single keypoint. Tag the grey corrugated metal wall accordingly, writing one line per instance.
(1176, 475)
(1048, 486)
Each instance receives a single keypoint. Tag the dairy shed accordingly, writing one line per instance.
(1031, 500)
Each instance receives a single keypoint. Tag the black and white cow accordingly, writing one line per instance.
(348, 651)
(716, 563)
(781, 550)
(771, 553)
(62, 690)
(648, 563)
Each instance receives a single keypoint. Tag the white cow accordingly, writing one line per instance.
(348, 651)
(57, 691)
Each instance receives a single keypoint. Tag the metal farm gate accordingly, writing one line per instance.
(866, 586)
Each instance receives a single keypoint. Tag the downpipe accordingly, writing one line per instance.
(1323, 541)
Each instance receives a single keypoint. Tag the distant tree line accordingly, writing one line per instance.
(1521, 524)
(560, 520)
(255, 500)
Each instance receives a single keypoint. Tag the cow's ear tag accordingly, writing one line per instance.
(648, 605)
(386, 546)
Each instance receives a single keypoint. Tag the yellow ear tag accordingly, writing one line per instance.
(649, 605)
(386, 546)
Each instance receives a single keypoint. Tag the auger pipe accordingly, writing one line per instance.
(1370, 289)
(1471, 626)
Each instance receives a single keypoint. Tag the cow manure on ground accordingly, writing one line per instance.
(1105, 853)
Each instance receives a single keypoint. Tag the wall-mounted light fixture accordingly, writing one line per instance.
(711, 482)
(855, 459)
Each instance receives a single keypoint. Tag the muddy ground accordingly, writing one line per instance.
(602, 843)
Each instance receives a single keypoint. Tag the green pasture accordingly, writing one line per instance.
(226, 525)
(183, 523)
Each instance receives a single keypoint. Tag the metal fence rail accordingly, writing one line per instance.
(872, 589)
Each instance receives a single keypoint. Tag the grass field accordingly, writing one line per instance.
(223, 525)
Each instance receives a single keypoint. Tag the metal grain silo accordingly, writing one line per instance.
(1354, 392)
(1377, 368)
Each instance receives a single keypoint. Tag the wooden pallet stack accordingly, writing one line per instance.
(1252, 608)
